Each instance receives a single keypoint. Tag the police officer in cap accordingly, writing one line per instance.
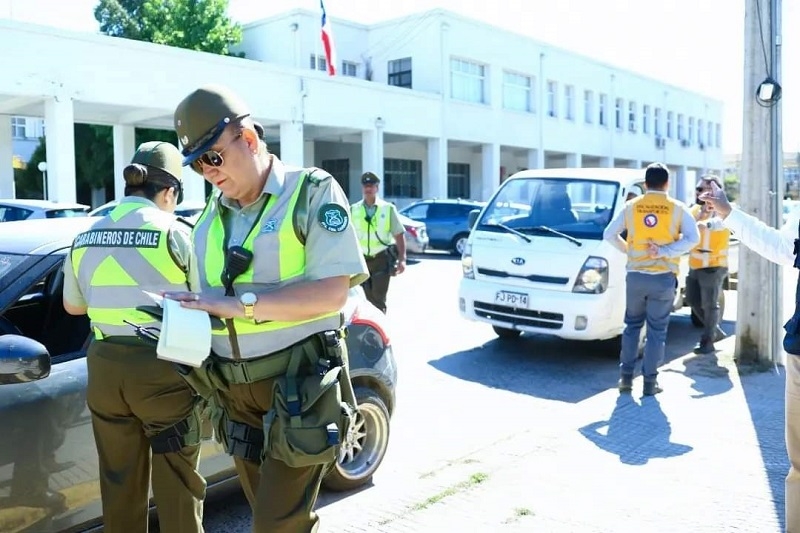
(382, 238)
(276, 256)
(139, 403)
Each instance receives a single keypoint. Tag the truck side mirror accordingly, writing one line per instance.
(472, 218)
(22, 360)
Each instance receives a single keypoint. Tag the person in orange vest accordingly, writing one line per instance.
(708, 266)
(660, 229)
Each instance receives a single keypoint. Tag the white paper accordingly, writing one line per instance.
(157, 298)
(185, 334)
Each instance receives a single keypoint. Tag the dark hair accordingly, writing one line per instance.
(712, 178)
(656, 176)
(141, 180)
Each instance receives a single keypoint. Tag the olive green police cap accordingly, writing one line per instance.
(201, 118)
(161, 155)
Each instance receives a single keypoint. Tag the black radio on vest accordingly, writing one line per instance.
(237, 261)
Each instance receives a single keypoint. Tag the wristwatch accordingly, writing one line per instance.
(248, 300)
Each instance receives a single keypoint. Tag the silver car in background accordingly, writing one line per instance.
(13, 210)
(416, 235)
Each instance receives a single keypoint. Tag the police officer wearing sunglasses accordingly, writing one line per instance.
(140, 405)
(276, 256)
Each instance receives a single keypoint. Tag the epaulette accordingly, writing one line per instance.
(316, 178)
(184, 221)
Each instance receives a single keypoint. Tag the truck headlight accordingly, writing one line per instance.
(593, 276)
(466, 262)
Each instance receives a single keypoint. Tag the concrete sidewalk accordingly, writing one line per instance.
(706, 455)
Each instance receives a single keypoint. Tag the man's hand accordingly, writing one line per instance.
(652, 250)
(718, 200)
(218, 306)
(400, 268)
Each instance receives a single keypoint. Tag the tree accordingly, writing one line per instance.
(28, 181)
(201, 25)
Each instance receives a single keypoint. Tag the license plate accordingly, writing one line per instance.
(511, 299)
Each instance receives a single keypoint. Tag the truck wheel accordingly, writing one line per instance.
(506, 334)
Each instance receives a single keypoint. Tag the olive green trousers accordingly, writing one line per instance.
(132, 396)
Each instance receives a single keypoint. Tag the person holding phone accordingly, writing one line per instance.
(144, 415)
(276, 255)
(381, 235)
(779, 246)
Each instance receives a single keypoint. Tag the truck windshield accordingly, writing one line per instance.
(580, 208)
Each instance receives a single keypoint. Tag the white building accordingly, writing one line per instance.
(438, 104)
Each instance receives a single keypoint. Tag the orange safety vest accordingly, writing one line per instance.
(652, 217)
(712, 250)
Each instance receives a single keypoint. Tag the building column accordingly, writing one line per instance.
(7, 189)
(574, 160)
(59, 118)
(535, 159)
(490, 170)
(124, 138)
(436, 185)
(194, 186)
(292, 143)
(309, 154)
(682, 189)
(372, 156)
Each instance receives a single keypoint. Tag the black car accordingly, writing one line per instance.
(48, 460)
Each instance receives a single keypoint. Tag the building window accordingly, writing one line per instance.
(680, 127)
(467, 81)
(569, 102)
(552, 99)
(710, 133)
(318, 63)
(457, 180)
(632, 117)
(340, 170)
(700, 131)
(657, 122)
(718, 136)
(588, 107)
(400, 72)
(518, 92)
(618, 114)
(690, 132)
(349, 69)
(402, 178)
(670, 117)
(646, 119)
(18, 128)
(602, 117)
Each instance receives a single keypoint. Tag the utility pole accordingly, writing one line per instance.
(758, 321)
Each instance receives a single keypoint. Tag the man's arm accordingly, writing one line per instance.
(72, 297)
(612, 231)
(776, 245)
(399, 233)
(689, 238)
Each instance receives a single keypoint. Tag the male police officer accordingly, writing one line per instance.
(708, 266)
(382, 239)
(139, 403)
(780, 246)
(276, 256)
(660, 230)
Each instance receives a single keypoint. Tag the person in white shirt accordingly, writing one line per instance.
(778, 246)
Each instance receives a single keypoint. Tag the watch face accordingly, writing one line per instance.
(248, 298)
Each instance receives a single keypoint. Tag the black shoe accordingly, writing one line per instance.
(651, 388)
(625, 383)
(704, 347)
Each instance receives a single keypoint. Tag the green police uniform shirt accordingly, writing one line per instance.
(374, 240)
(180, 244)
(331, 250)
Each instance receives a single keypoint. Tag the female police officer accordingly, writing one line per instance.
(276, 255)
(138, 402)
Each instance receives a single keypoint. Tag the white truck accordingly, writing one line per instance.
(536, 260)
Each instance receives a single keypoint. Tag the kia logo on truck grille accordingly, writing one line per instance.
(518, 261)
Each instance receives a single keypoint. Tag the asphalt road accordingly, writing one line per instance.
(460, 389)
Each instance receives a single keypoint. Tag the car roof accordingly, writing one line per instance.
(43, 235)
(40, 204)
(449, 201)
(626, 176)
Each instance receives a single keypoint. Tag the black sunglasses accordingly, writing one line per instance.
(212, 158)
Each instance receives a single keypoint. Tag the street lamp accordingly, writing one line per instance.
(42, 166)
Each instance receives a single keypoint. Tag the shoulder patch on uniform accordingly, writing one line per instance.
(333, 217)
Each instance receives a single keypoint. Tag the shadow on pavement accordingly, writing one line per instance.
(551, 368)
(764, 393)
(636, 432)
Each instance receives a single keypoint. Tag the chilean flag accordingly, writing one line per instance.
(327, 41)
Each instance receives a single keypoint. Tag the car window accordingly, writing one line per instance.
(13, 214)
(417, 211)
(65, 213)
(445, 211)
(464, 210)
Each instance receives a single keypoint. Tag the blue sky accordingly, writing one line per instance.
(697, 44)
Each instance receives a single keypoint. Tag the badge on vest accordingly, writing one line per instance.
(650, 220)
(118, 238)
(333, 218)
(270, 226)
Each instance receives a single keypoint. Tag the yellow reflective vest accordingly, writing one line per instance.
(652, 217)
(375, 234)
(712, 250)
(279, 259)
(123, 254)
